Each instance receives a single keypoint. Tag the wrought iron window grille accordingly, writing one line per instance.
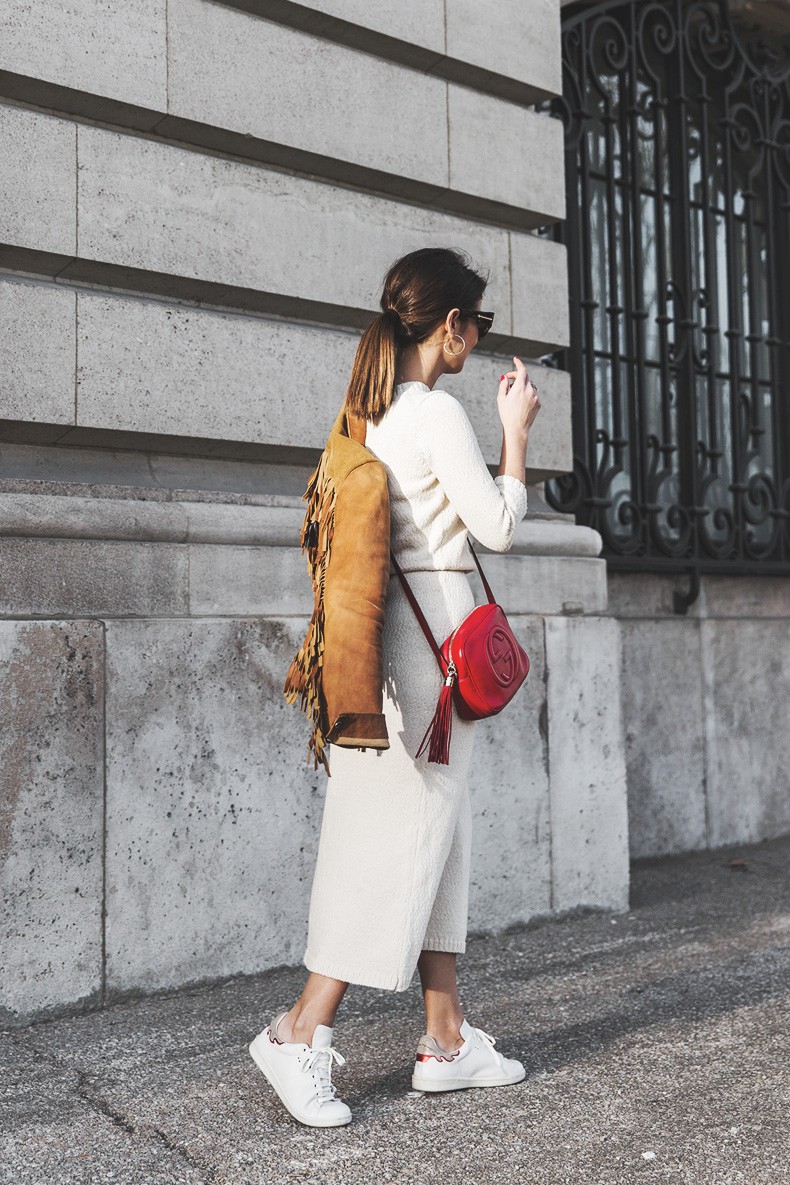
(677, 138)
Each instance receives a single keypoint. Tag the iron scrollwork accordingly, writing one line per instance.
(677, 148)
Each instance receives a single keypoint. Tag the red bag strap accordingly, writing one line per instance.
(426, 629)
(486, 585)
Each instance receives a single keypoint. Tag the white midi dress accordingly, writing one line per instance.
(392, 869)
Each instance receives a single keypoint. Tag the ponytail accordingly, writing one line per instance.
(372, 382)
(419, 290)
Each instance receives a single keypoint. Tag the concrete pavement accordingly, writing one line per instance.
(656, 1043)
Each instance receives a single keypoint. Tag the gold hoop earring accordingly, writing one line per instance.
(455, 353)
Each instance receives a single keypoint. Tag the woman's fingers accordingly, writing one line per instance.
(520, 373)
(510, 378)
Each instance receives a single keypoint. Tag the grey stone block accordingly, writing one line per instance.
(96, 470)
(589, 809)
(270, 580)
(551, 535)
(743, 596)
(37, 201)
(37, 343)
(51, 814)
(145, 366)
(664, 736)
(61, 516)
(212, 806)
(510, 877)
(648, 594)
(275, 581)
(154, 206)
(150, 367)
(538, 584)
(250, 75)
(149, 518)
(107, 47)
(643, 594)
(746, 668)
(506, 153)
(87, 577)
(539, 268)
(521, 40)
(707, 760)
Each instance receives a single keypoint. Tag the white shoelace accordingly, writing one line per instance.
(491, 1042)
(322, 1059)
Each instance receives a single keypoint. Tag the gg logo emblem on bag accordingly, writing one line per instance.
(502, 656)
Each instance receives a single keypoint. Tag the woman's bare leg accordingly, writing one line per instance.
(443, 1009)
(317, 1005)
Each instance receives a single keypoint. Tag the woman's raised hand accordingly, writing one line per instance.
(518, 404)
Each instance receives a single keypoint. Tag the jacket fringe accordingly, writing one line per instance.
(304, 674)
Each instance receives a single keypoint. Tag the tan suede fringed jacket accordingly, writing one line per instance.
(338, 671)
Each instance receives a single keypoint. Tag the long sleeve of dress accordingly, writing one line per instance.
(488, 506)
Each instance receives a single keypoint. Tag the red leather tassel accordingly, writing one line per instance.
(441, 727)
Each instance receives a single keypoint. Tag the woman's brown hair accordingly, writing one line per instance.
(419, 291)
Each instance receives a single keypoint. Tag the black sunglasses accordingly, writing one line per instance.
(484, 321)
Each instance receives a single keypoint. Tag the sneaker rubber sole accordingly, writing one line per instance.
(256, 1053)
(464, 1083)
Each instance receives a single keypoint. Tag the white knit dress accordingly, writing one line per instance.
(392, 870)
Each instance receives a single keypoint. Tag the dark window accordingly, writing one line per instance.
(677, 134)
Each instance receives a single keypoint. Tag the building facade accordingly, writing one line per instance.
(198, 203)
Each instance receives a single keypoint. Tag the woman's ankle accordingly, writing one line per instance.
(446, 1031)
(297, 1026)
(291, 1027)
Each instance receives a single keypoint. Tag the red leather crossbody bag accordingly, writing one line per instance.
(482, 662)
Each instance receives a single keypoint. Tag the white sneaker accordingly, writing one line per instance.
(302, 1074)
(474, 1063)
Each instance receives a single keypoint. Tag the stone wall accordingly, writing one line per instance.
(198, 203)
(705, 709)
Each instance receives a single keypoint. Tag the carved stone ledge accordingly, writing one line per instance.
(270, 522)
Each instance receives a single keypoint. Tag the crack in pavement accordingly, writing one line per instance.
(86, 1090)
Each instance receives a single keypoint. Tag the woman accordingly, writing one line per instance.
(391, 883)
